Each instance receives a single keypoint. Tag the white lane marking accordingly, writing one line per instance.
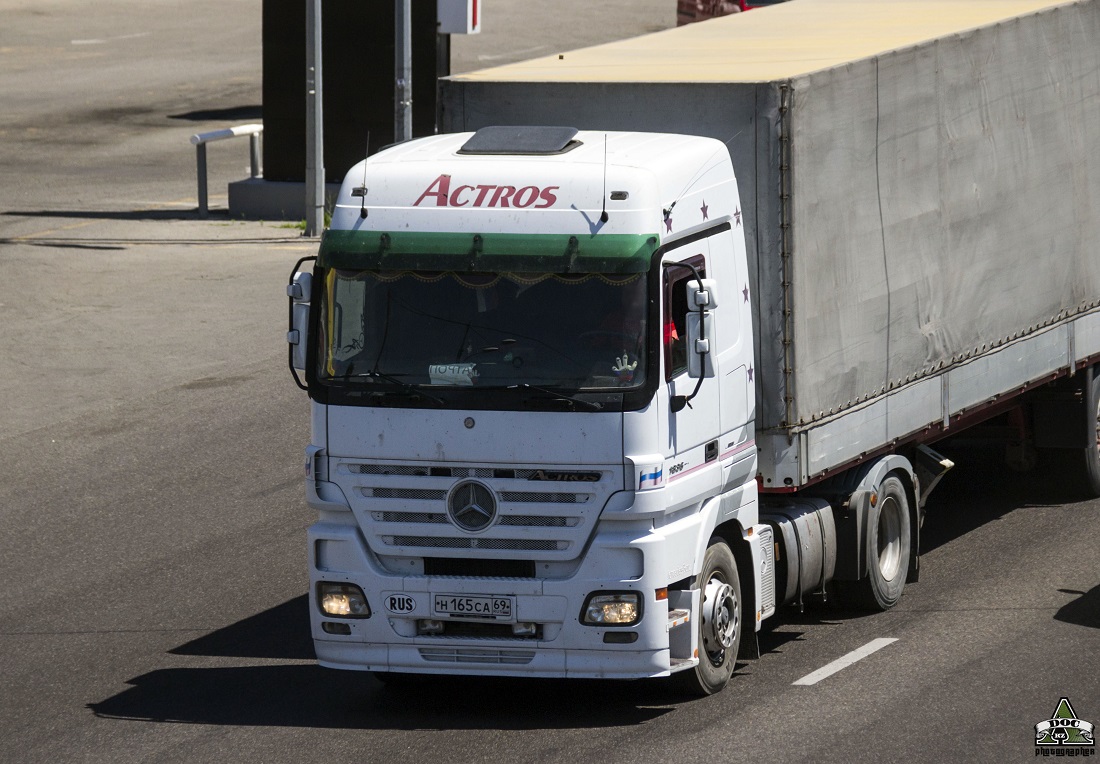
(103, 40)
(842, 663)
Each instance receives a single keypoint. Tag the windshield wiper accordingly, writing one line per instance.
(560, 396)
(407, 387)
(414, 389)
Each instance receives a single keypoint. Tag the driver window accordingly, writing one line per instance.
(674, 320)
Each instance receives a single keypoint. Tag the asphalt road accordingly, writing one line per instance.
(152, 520)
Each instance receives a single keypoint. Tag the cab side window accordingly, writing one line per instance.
(674, 320)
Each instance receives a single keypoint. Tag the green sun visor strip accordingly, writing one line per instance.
(493, 253)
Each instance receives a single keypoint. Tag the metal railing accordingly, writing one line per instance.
(252, 131)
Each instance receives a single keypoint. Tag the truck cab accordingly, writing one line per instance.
(530, 362)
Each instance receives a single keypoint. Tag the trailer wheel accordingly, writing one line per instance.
(719, 623)
(1092, 453)
(888, 543)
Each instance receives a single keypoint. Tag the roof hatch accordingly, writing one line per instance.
(535, 141)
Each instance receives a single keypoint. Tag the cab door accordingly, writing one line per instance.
(693, 447)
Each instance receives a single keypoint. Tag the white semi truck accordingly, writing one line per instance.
(596, 402)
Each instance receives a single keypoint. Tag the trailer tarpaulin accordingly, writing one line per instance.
(932, 190)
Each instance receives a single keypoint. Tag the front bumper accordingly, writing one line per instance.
(615, 561)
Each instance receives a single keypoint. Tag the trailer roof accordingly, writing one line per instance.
(767, 44)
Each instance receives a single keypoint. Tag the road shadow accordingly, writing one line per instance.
(981, 490)
(281, 632)
(123, 215)
(63, 244)
(304, 695)
(229, 114)
(1083, 611)
(791, 622)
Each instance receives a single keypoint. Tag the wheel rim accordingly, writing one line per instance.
(889, 538)
(720, 619)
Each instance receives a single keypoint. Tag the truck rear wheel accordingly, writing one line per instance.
(1092, 453)
(888, 544)
(719, 623)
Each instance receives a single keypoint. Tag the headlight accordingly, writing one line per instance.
(612, 609)
(342, 600)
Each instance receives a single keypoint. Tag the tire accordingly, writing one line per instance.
(888, 545)
(1092, 453)
(719, 623)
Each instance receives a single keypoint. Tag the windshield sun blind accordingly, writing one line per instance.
(494, 252)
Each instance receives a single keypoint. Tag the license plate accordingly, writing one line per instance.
(477, 606)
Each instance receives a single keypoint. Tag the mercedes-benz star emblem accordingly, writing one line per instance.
(471, 506)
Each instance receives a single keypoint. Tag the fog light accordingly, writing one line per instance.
(525, 629)
(331, 627)
(612, 609)
(342, 600)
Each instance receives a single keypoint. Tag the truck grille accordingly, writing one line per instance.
(434, 542)
(476, 655)
(545, 513)
(529, 497)
(484, 473)
(522, 521)
(477, 568)
(404, 493)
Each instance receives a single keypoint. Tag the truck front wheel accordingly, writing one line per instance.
(719, 623)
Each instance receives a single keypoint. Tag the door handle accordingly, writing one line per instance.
(711, 452)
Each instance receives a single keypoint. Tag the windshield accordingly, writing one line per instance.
(443, 330)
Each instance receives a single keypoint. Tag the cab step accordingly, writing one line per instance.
(677, 618)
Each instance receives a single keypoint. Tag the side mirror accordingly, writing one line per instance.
(702, 296)
(299, 290)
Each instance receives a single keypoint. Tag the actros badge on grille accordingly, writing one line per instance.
(471, 506)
